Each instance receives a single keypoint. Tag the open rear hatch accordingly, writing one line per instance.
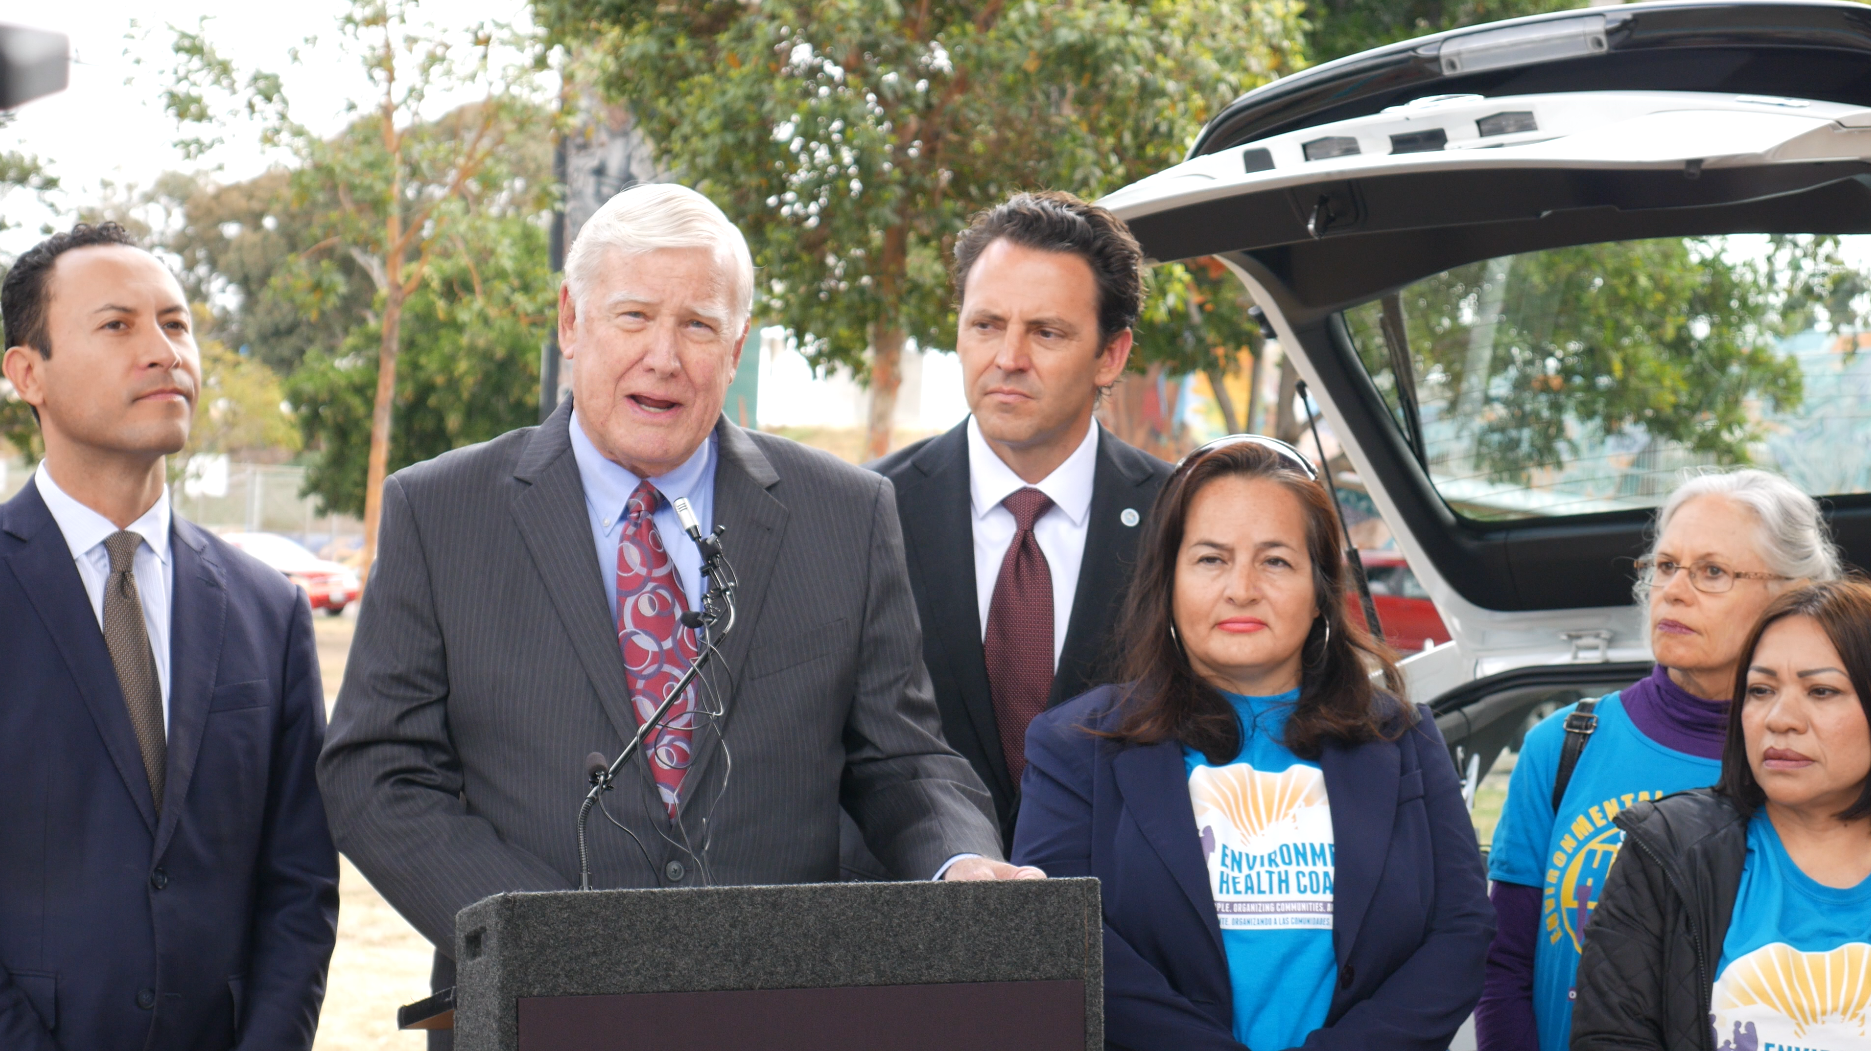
(1531, 271)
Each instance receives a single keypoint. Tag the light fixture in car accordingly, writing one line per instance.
(1524, 45)
(1508, 122)
(1429, 140)
(1331, 146)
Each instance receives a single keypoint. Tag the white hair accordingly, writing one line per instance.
(653, 216)
(1792, 537)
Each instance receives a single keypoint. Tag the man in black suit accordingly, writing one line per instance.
(1020, 524)
(166, 878)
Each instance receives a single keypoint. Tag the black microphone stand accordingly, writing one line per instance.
(717, 605)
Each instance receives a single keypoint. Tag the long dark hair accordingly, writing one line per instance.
(1166, 699)
(1842, 609)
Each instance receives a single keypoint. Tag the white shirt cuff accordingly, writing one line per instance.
(950, 862)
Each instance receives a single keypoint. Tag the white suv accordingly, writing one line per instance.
(1530, 272)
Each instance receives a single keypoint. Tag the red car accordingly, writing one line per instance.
(327, 585)
(1409, 618)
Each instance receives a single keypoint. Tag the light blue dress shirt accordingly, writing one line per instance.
(607, 490)
(85, 532)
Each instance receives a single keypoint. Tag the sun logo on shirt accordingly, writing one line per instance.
(1777, 985)
(1254, 801)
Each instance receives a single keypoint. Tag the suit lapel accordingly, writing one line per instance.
(1110, 546)
(550, 514)
(197, 617)
(1364, 777)
(1155, 787)
(51, 583)
(756, 531)
(938, 526)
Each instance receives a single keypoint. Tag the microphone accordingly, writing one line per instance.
(686, 515)
(717, 605)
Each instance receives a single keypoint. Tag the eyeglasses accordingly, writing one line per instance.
(1274, 445)
(1710, 578)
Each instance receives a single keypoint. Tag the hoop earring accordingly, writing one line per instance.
(1173, 637)
(1326, 642)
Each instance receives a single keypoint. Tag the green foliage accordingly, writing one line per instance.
(411, 234)
(1676, 336)
(20, 171)
(241, 408)
(468, 372)
(852, 139)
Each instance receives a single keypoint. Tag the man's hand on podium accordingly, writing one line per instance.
(979, 868)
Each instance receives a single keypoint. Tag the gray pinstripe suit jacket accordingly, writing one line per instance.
(485, 668)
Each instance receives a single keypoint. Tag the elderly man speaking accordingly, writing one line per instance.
(526, 610)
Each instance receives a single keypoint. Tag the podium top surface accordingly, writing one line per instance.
(514, 949)
(803, 936)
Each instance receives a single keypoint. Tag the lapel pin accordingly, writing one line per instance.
(1128, 516)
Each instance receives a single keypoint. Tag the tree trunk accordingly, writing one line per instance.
(1141, 410)
(887, 343)
(380, 424)
(886, 377)
(1286, 423)
(1218, 386)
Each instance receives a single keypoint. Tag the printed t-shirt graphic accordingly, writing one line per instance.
(1568, 855)
(1266, 831)
(1268, 840)
(1795, 972)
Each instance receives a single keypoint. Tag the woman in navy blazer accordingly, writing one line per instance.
(1238, 599)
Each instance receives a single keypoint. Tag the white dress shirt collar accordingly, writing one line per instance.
(1069, 486)
(85, 529)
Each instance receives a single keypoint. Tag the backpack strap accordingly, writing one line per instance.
(1579, 727)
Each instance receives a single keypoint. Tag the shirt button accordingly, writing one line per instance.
(159, 879)
(674, 871)
(146, 999)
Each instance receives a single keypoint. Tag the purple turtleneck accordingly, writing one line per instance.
(1675, 718)
(1667, 714)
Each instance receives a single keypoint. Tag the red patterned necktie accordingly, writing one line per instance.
(1019, 631)
(657, 648)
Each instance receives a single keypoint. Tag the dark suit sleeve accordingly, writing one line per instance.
(295, 921)
(391, 778)
(1054, 832)
(1621, 983)
(916, 801)
(1423, 1002)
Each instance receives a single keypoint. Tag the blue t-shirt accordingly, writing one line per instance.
(1570, 857)
(1795, 972)
(1266, 829)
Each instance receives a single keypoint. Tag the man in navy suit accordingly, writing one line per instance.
(1020, 524)
(166, 877)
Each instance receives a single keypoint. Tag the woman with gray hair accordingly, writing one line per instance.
(1725, 545)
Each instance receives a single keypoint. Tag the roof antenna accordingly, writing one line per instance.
(1351, 548)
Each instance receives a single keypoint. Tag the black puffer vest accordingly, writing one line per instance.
(1648, 967)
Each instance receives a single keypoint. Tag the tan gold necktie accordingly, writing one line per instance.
(128, 638)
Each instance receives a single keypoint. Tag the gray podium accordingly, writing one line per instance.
(873, 966)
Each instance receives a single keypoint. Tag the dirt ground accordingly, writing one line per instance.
(381, 962)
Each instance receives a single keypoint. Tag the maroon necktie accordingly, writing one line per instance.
(657, 648)
(1019, 631)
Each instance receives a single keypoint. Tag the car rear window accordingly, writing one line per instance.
(1586, 379)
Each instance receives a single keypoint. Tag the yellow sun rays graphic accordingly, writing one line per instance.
(1255, 801)
(1806, 988)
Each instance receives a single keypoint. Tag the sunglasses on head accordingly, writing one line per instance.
(1279, 448)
